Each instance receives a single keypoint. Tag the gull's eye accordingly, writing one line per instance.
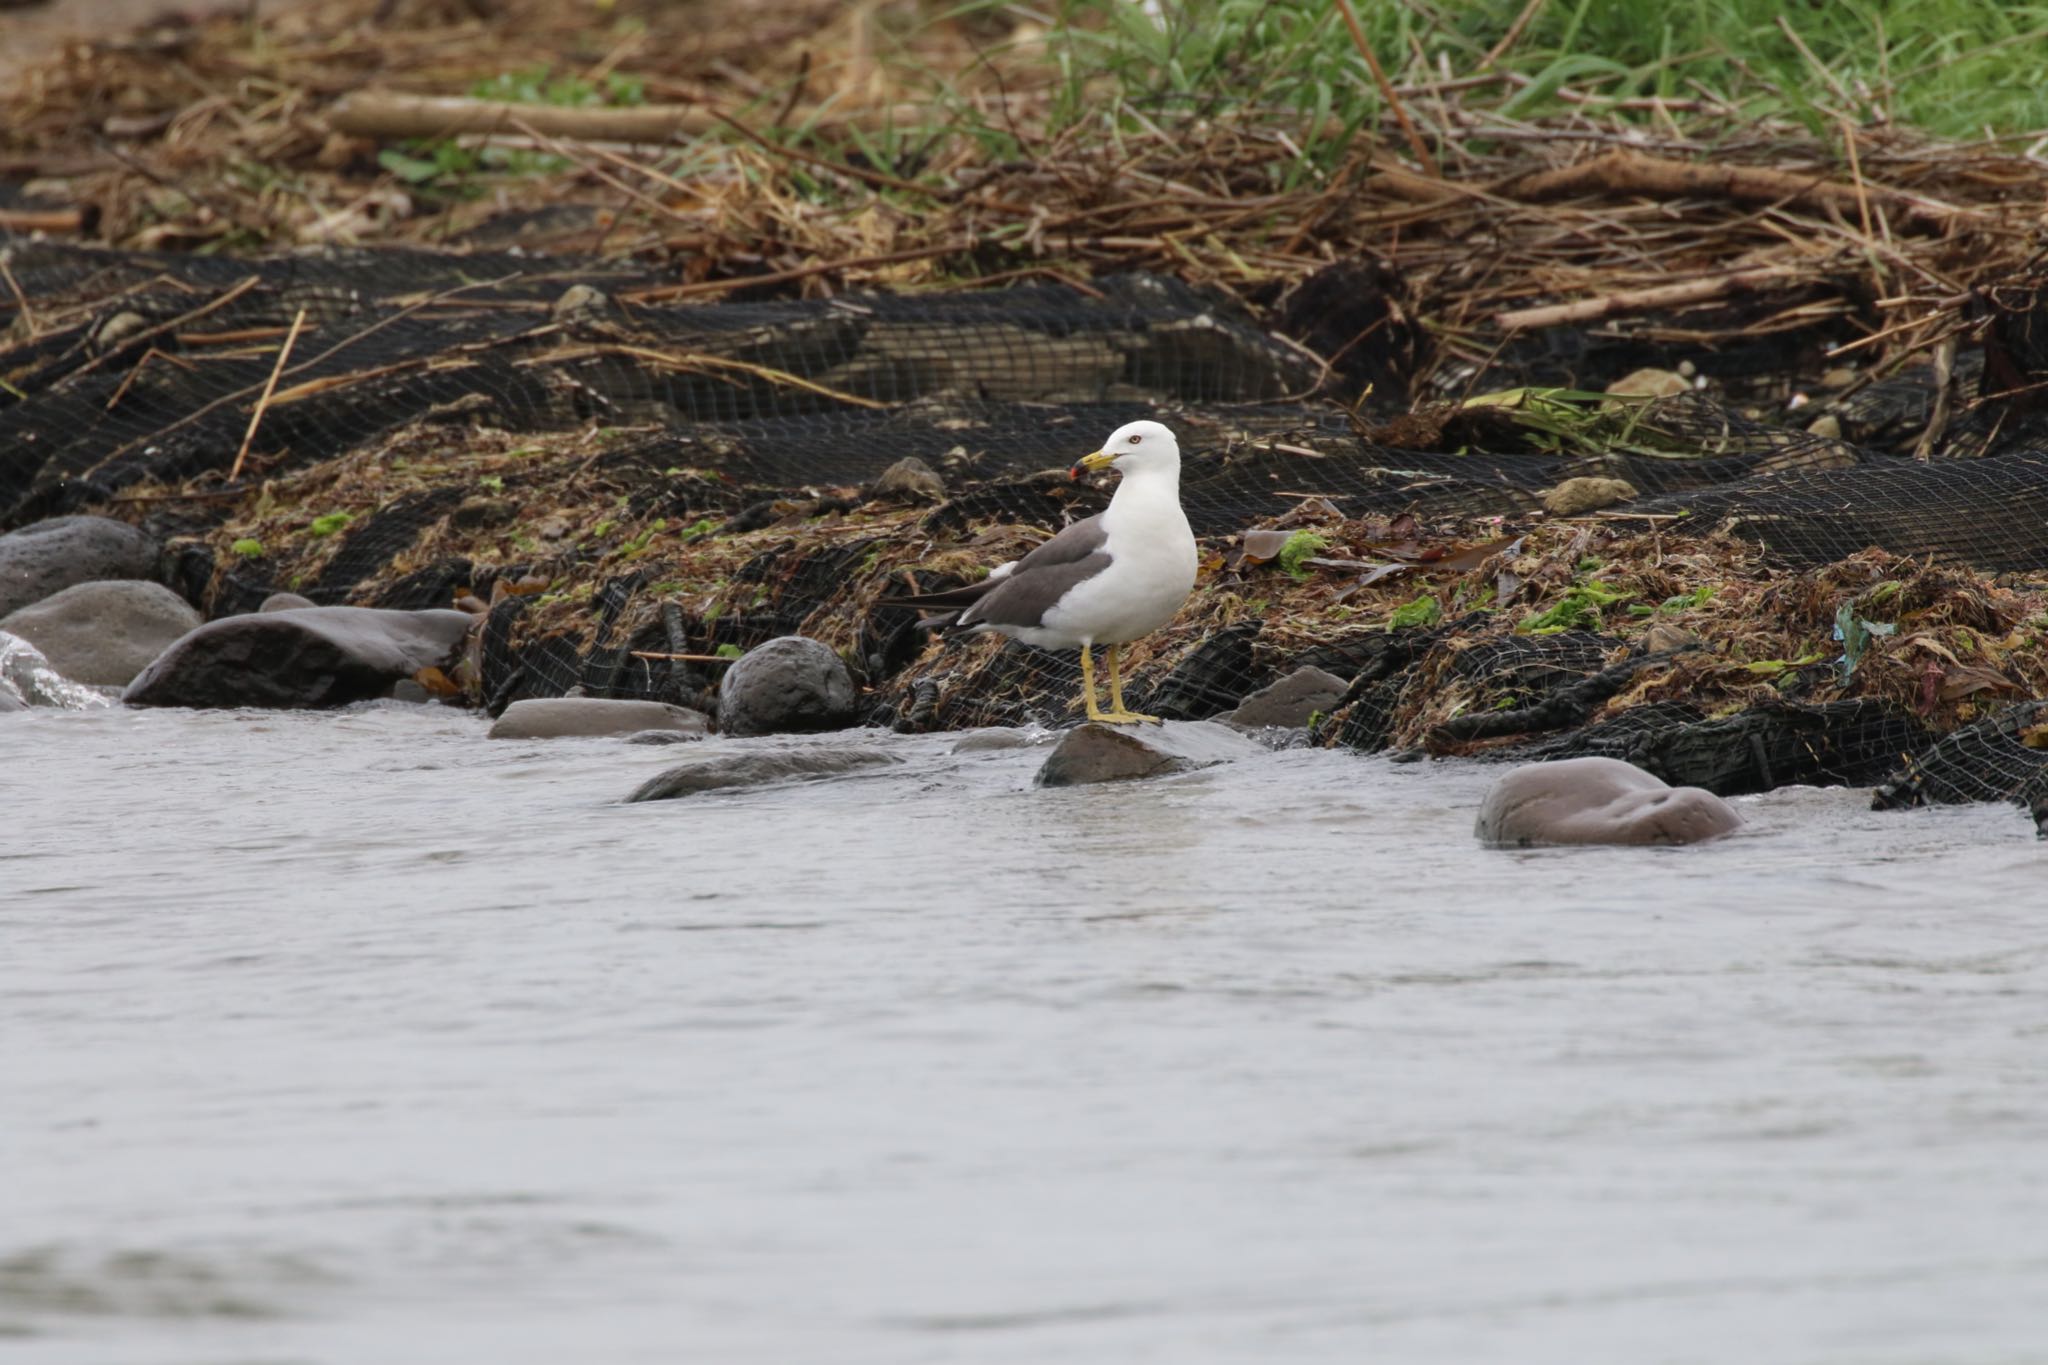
(1136, 439)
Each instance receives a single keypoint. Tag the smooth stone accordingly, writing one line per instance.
(718, 771)
(788, 684)
(285, 601)
(410, 692)
(1586, 494)
(1290, 702)
(42, 560)
(567, 717)
(1597, 801)
(1116, 753)
(104, 633)
(308, 657)
(909, 480)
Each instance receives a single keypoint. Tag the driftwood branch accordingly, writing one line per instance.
(389, 114)
(393, 114)
(41, 220)
(1629, 301)
(1625, 172)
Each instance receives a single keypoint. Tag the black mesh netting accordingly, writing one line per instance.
(630, 486)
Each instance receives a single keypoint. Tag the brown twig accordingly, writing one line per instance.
(28, 314)
(1512, 36)
(668, 292)
(1625, 172)
(1649, 300)
(284, 353)
(213, 305)
(686, 658)
(1379, 76)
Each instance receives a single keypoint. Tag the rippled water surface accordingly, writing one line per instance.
(356, 1038)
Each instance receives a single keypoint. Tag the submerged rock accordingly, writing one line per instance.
(998, 737)
(788, 684)
(307, 657)
(104, 632)
(714, 772)
(43, 559)
(1117, 753)
(566, 717)
(1597, 801)
(1289, 702)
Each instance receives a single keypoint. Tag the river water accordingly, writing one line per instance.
(356, 1037)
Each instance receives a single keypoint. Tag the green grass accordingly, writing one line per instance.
(1955, 67)
(1289, 72)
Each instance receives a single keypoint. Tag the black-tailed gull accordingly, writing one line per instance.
(1105, 580)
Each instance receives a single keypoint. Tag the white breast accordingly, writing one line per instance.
(1151, 571)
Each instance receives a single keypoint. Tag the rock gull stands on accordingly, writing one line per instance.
(1106, 580)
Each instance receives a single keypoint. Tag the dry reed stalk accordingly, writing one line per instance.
(284, 353)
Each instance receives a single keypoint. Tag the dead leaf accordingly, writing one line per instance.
(437, 682)
(1257, 547)
(1969, 679)
(1371, 577)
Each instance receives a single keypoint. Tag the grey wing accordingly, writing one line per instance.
(1028, 594)
(1043, 577)
(1085, 537)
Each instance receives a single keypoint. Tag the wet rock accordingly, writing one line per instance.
(1289, 702)
(909, 480)
(725, 769)
(1597, 801)
(285, 601)
(10, 700)
(1117, 753)
(660, 737)
(41, 560)
(997, 737)
(308, 657)
(788, 684)
(1574, 497)
(411, 692)
(478, 513)
(567, 717)
(104, 633)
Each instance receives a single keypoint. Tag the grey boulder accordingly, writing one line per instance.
(285, 601)
(788, 684)
(308, 657)
(570, 717)
(1118, 753)
(717, 771)
(104, 633)
(43, 559)
(1290, 702)
(1597, 801)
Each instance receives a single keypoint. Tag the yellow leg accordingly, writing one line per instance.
(1121, 714)
(1095, 711)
